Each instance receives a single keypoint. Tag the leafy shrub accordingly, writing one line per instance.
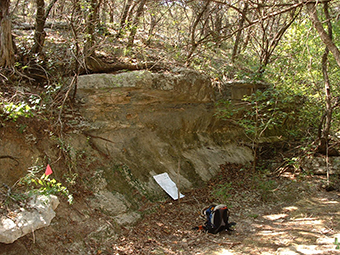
(14, 111)
(270, 112)
(44, 185)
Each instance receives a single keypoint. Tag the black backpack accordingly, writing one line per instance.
(217, 219)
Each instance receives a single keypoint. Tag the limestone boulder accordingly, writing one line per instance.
(39, 213)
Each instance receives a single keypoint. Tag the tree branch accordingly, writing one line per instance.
(326, 39)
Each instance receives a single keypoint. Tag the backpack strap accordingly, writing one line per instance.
(209, 213)
(221, 206)
(217, 219)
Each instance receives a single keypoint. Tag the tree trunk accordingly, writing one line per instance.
(153, 24)
(328, 96)
(136, 23)
(90, 28)
(40, 20)
(6, 40)
(326, 119)
(239, 33)
(330, 47)
(270, 42)
(39, 34)
(92, 19)
(326, 39)
(123, 21)
(193, 41)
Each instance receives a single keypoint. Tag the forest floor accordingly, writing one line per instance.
(288, 215)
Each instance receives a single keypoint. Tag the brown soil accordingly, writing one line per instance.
(290, 214)
(294, 218)
(285, 215)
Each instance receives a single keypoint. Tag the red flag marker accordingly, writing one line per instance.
(48, 170)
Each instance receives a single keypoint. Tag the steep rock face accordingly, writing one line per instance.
(132, 126)
(145, 124)
(128, 127)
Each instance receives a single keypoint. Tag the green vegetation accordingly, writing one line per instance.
(13, 111)
(337, 243)
(222, 191)
(44, 184)
(278, 46)
(291, 46)
(31, 184)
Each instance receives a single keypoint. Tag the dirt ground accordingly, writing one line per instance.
(296, 217)
(290, 214)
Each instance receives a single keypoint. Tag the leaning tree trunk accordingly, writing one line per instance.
(326, 39)
(6, 40)
(123, 20)
(136, 23)
(193, 40)
(239, 33)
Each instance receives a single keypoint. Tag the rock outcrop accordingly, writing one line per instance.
(127, 128)
(145, 124)
(37, 214)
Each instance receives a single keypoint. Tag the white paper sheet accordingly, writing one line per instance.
(168, 185)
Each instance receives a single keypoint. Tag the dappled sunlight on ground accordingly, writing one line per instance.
(298, 219)
(326, 201)
(224, 252)
(307, 227)
(275, 216)
(290, 208)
